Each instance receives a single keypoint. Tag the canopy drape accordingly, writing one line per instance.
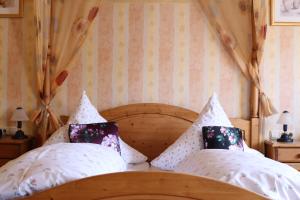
(241, 26)
(62, 27)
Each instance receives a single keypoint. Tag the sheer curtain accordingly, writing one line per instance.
(241, 26)
(62, 27)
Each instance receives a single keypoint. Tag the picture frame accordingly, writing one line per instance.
(11, 8)
(285, 12)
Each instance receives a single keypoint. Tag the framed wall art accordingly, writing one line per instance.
(285, 12)
(11, 8)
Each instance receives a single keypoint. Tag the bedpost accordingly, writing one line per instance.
(254, 117)
(255, 134)
(254, 102)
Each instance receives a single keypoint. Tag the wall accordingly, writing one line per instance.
(17, 80)
(156, 51)
(281, 75)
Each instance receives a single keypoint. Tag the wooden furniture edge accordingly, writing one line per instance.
(8, 140)
(146, 185)
(273, 149)
(126, 111)
(145, 108)
(294, 165)
(13, 148)
(283, 144)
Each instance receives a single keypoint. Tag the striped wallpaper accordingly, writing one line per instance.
(17, 74)
(148, 51)
(281, 75)
(154, 51)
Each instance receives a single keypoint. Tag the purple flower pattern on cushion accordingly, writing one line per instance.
(220, 137)
(105, 134)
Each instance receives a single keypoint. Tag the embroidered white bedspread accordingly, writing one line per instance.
(250, 171)
(53, 165)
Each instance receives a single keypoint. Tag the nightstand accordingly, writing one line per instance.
(288, 153)
(11, 149)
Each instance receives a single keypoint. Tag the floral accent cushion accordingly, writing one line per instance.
(220, 137)
(105, 134)
(129, 154)
(191, 140)
(86, 113)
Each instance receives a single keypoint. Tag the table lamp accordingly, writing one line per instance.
(285, 119)
(19, 115)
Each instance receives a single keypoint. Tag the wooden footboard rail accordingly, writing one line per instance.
(146, 185)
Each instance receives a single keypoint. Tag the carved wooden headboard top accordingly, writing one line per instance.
(151, 128)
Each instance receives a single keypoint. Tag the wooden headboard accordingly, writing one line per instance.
(151, 128)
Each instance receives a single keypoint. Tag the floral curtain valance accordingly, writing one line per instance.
(62, 27)
(241, 26)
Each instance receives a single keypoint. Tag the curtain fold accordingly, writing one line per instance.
(61, 29)
(241, 26)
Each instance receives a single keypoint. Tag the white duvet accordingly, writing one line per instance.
(253, 172)
(52, 165)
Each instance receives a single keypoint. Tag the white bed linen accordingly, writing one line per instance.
(146, 167)
(248, 170)
(191, 140)
(53, 165)
(138, 167)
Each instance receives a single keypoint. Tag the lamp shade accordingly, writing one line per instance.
(285, 118)
(19, 115)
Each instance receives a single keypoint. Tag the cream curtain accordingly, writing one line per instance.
(62, 27)
(241, 26)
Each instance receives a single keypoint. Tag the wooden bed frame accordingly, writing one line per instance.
(146, 186)
(151, 128)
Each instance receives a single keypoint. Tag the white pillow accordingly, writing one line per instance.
(86, 113)
(191, 140)
(130, 155)
(61, 135)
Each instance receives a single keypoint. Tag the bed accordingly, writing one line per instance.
(151, 128)
(139, 126)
